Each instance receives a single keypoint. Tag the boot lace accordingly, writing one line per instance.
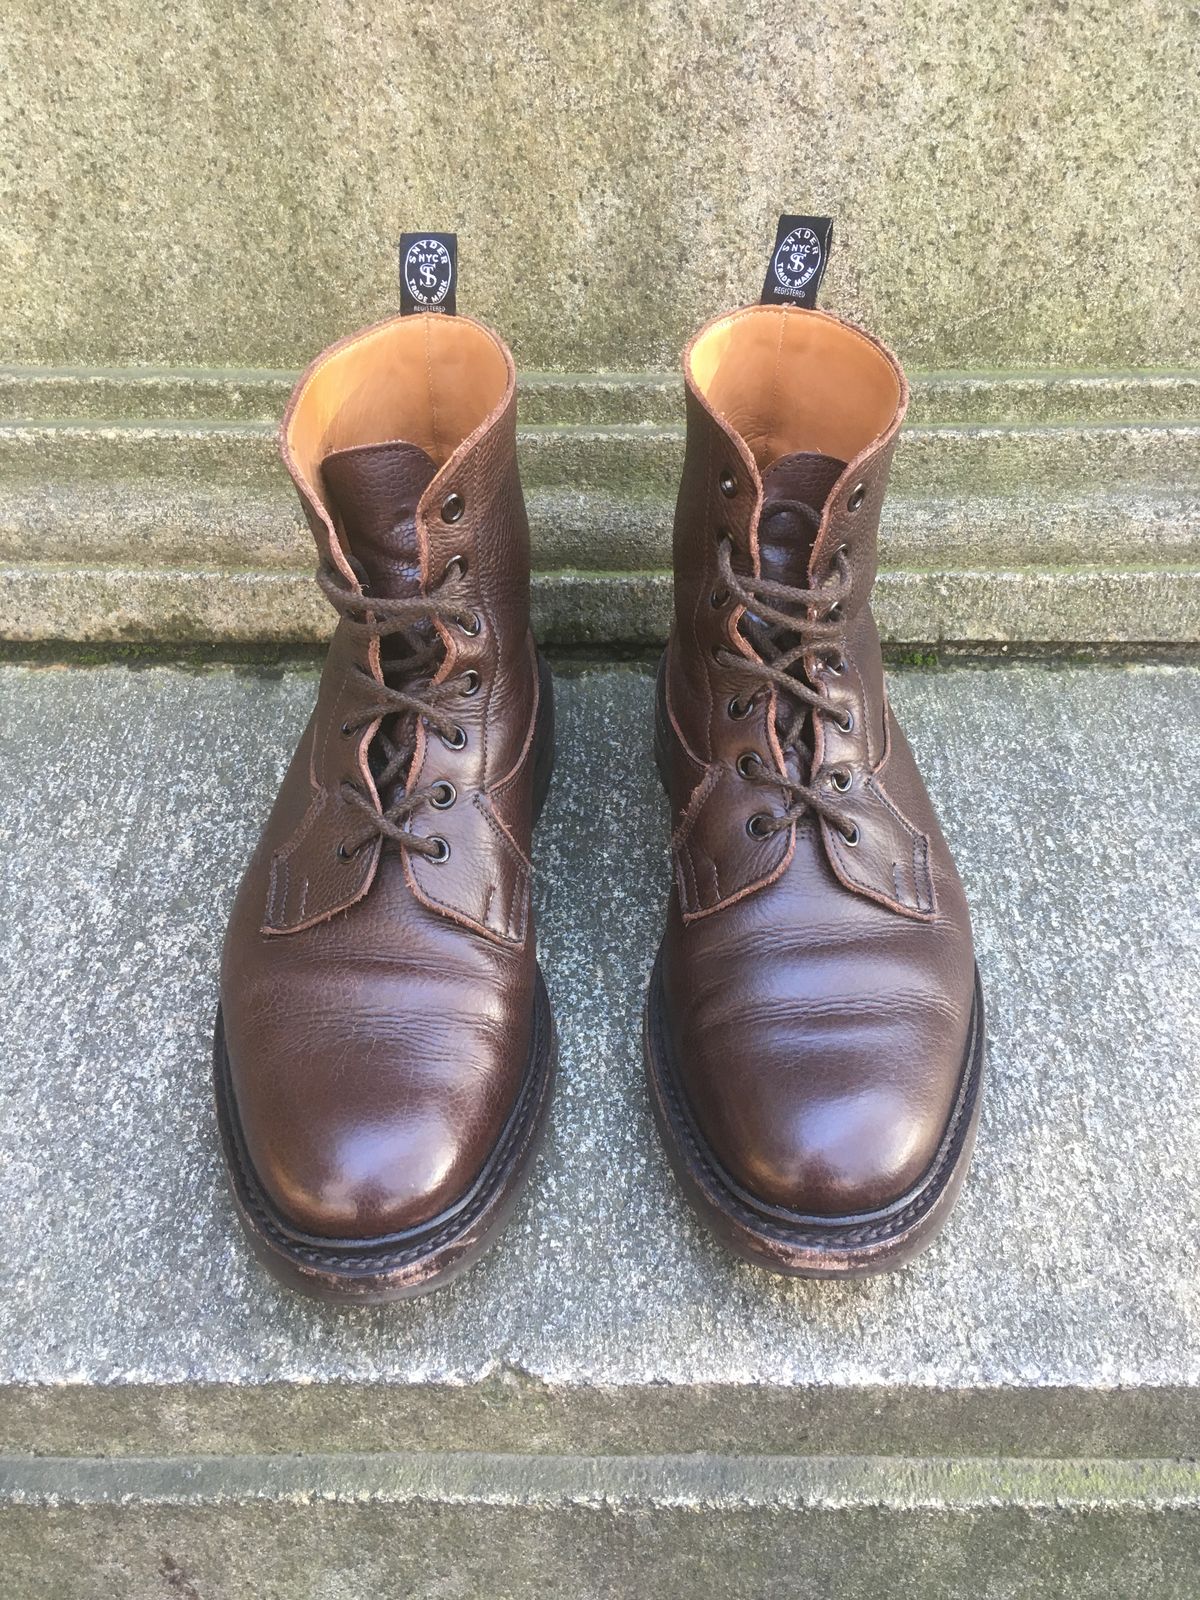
(411, 696)
(784, 624)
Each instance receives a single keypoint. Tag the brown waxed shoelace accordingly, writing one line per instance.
(822, 633)
(380, 618)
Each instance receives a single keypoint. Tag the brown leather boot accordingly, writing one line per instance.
(384, 1048)
(814, 1029)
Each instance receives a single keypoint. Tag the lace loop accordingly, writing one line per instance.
(398, 706)
(813, 620)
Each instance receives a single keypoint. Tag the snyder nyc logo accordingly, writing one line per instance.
(797, 261)
(428, 272)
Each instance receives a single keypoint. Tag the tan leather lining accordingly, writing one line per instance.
(427, 380)
(789, 379)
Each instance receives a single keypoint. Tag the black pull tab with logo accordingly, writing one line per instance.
(428, 272)
(798, 261)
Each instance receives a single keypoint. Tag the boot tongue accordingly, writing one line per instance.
(373, 491)
(785, 541)
(785, 537)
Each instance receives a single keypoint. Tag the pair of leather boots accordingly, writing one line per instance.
(813, 1032)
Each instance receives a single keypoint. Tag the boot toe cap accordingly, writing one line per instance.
(827, 1113)
(362, 1179)
(387, 1133)
(833, 1155)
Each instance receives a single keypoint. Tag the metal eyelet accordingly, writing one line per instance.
(348, 729)
(835, 611)
(469, 624)
(740, 708)
(757, 826)
(748, 763)
(457, 740)
(844, 723)
(857, 495)
(442, 849)
(347, 855)
(457, 563)
(728, 483)
(453, 507)
(851, 835)
(836, 668)
(841, 779)
(444, 795)
(718, 598)
(471, 683)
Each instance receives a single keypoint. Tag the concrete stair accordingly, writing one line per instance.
(607, 1405)
(142, 505)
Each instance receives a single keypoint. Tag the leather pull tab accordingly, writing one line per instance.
(428, 273)
(798, 261)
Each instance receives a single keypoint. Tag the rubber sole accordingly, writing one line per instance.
(402, 1265)
(791, 1243)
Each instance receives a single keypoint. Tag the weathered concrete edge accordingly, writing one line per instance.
(514, 1412)
(118, 604)
(642, 459)
(984, 397)
(711, 1482)
(158, 524)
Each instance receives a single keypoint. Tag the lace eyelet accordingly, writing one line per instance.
(844, 723)
(841, 779)
(456, 563)
(851, 836)
(835, 611)
(347, 855)
(471, 682)
(718, 598)
(857, 495)
(457, 740)
(348, 730)
(728, 483)
(444, 795)
(748, 763)
(757, 826)
(453, 507)
(740, 708)
(469, 624)
(441, 849)
(836, 668)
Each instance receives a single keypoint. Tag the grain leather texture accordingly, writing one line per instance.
(377, 1003)
(817, 992)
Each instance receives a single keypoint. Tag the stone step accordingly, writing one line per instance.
(634, 460)
(985, 398)
(607, 1404)
(199, 605)
(161, 525)
(1028, 508)
(1058, 1315)
(462, 1526)
(1051, 507)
